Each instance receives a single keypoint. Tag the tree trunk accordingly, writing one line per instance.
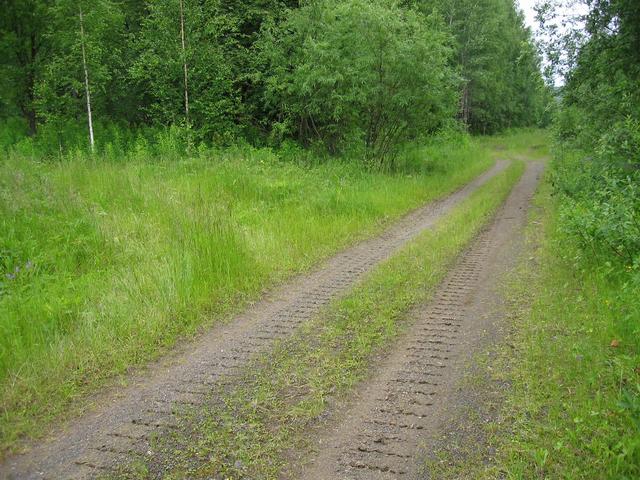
(27, 103)
(184, 57)
(29, 114)
(464, 105)
(86, 81)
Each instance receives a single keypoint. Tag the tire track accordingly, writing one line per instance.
(124, 422)
(381, 435)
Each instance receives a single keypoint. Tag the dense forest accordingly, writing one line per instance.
(361, 76)
(598, 125)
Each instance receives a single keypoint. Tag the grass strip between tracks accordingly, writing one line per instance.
(250, 430)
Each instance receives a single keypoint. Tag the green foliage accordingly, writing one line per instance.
(23, 49)
(363, 71)
(347, 75)
(602, 71)
(600, 208)
(596, 172)
(60, 90)
(158, 69)
(501, 85)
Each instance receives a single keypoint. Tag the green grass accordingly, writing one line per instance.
(524, 143)
(575, 399)
(572, 406)
(247, 432)
(104, 264)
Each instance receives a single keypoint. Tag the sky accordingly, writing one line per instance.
(529, 13)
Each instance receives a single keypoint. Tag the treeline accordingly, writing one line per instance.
(366, 74)
(598, 126)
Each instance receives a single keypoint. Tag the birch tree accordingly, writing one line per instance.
(186, 67)
(86, 40)
(184, 62)
(86, 81)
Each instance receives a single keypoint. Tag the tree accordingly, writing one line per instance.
(364, 71)
(600, 60)
(86, 80)
(180, 33)
(335, 72)
(85, 38)
(23, 48)
(494, 53)
(184, 63)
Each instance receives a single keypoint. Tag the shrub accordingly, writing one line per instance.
(600, 207)
(368, 71)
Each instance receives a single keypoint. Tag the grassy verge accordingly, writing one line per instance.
(247, 432)
(104, 263)
(572, 366)
(575, 400)
(525, 143)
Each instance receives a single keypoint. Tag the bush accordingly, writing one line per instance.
(600, 207)
(368, 71)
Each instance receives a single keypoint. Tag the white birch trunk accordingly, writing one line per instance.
(184, 57)
(86, 81)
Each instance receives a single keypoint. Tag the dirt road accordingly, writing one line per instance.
(124, 420)
(397, 414)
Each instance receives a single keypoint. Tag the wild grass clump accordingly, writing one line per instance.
(106, 262)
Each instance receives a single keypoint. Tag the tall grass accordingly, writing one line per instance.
(106, 261)
(521, 143)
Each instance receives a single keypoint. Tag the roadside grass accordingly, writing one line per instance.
(106, 262)
(521, 143)
(575, 401)
(572, 366)
(249, 430)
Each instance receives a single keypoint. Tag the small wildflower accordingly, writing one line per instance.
(28, 265)
(10, 276)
